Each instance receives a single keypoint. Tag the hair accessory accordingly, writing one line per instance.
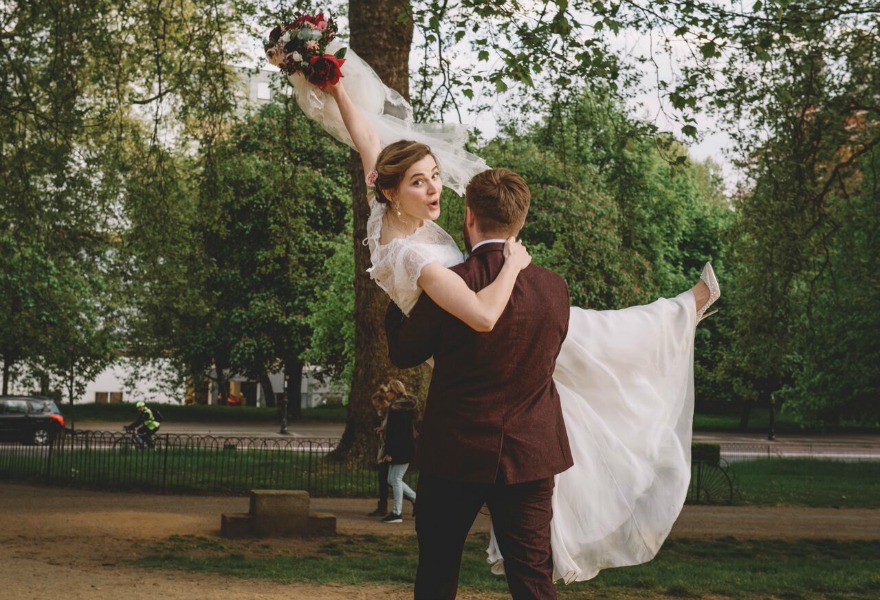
(371, 177)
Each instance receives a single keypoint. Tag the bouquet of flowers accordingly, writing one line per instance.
(300, 47)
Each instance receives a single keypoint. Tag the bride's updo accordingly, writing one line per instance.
(392, 164)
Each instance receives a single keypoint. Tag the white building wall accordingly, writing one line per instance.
(120, 382)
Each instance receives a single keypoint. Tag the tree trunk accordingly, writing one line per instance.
(744, 415)
(221, 367)
(71, 385)
(385, 44)
(44, 385)
(6, 370)
(293, 370)
(268, 390)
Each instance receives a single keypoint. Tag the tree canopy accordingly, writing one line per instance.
(144, 212)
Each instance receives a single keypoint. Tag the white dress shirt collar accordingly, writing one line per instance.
(492, 241)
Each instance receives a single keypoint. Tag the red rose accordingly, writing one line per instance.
(325, 70)
(306, 19)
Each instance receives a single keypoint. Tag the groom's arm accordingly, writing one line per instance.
(412, 340)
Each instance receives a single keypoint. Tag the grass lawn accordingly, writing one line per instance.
(759, 422)
(723, 568)
(808, 482)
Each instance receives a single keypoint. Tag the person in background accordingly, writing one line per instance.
(399, 446)
(146, 425)
(380, 403)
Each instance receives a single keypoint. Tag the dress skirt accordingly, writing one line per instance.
(625, 380)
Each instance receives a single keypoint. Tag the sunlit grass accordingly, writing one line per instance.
(725, 568)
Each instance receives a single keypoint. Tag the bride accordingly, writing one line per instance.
(625, 377)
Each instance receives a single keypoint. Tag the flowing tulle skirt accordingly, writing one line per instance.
(625, 380)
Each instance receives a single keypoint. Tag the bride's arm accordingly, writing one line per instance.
(364, 136)
(479, 310)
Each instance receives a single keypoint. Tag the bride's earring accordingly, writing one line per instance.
(397, 208)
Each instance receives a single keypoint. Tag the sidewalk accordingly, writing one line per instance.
(835, 446)
(80, 544)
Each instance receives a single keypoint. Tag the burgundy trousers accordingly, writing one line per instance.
(521, 516)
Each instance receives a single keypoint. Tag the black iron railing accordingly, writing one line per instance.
(190, 464)
(185, 463)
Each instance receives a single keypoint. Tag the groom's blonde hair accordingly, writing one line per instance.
(499, 199)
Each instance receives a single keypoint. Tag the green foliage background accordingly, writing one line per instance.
(146, 212)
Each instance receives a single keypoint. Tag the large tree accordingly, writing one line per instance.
(802, 108)
(58, 187)
(384, 43)
(284, 200)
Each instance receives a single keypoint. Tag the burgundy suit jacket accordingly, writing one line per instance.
(493, 412)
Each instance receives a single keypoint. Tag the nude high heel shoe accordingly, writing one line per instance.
(708, 276)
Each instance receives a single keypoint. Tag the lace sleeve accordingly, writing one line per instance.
(397, 265)
(396, 269)
(410, 262)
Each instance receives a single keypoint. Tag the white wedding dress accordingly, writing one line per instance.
(625, 380)
(625, 377)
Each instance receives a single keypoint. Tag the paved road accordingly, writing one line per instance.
(734, 446)
(239, 429)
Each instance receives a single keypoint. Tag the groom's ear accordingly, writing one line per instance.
(469, 218)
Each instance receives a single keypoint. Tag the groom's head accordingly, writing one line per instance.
(496, 205)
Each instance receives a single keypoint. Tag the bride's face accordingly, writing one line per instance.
(419, 191)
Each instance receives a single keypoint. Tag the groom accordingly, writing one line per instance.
(493, 431)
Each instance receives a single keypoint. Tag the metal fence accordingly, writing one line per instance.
(191, 464)
(186, 463)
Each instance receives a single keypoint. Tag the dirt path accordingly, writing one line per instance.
(76, 544)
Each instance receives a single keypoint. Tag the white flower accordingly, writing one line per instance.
(296, 56)
(285, 38)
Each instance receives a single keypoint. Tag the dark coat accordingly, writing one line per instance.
(493, 412)
(399, 442)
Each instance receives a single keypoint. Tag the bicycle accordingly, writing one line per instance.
(136, 440)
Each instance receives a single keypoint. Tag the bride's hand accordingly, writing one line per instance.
(334, 89)
(516, 255)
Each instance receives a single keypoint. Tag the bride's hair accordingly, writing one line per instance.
(392, 164)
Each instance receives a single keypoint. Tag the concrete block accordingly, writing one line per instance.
(236, 525)
(280, 513)
(322, 524)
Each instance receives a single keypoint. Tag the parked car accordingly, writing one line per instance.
(29, 419)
